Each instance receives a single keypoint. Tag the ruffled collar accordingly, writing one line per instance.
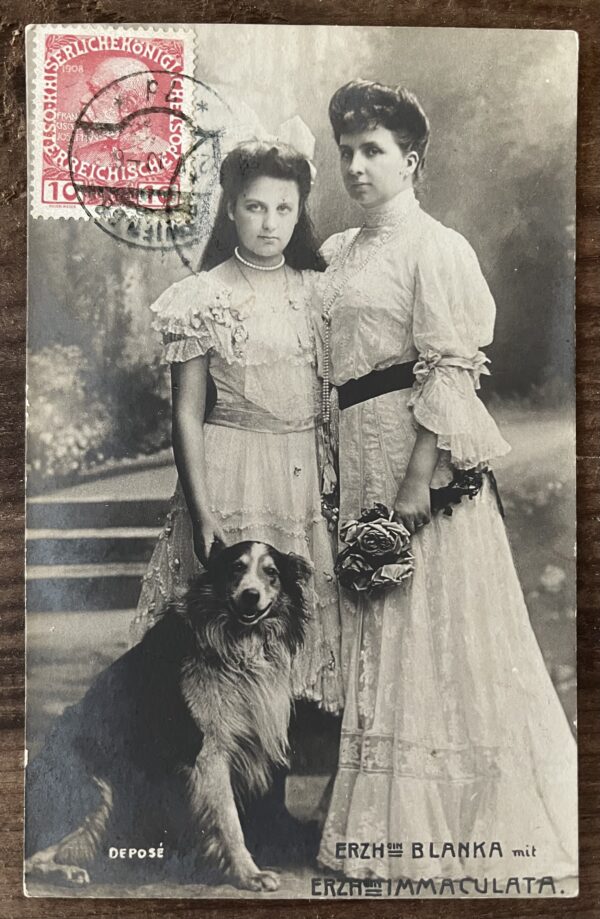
(393, 211)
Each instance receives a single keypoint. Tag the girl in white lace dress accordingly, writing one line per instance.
(250, 471)
(452, 730)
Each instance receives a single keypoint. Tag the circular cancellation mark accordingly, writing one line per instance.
(144, 159)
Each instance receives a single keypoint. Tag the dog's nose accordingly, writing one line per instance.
(250, 596)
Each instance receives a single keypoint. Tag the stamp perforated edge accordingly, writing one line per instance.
(35, 89)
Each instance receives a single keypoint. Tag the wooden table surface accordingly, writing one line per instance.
(580, 15)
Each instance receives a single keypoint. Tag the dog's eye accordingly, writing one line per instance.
(238, 567)
(271, 571)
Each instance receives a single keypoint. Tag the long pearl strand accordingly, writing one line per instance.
(335, 290)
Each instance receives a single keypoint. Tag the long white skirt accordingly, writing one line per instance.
(452, 730)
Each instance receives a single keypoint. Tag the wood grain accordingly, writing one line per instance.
(582, 16)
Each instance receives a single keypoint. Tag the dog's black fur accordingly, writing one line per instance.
(172, 735)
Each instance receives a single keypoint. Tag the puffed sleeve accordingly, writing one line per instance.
(194, 318)
(453, 318)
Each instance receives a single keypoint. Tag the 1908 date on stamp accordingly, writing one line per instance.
(96, 124)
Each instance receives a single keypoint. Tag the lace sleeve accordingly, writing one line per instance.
(194, 318)
(453, 317)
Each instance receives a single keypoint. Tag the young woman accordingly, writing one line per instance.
(452, 730)
(249, 470)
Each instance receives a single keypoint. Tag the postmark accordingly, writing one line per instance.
(144, 158)
(124, 134)
(73, 68)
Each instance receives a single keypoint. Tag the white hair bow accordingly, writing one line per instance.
(298, 135)
(294, 132)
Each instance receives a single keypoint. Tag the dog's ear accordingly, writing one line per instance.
(294, 568)
(217, 560)
(216, 548)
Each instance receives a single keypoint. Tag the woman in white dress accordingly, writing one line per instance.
(452, 730)
(249, 471)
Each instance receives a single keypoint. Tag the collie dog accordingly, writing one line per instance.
(170, 738)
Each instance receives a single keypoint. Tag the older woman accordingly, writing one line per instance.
(452, 730)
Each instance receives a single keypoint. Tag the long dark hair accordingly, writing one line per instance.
(241, 166)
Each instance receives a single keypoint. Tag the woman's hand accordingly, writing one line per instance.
(413, 502)
(412, 506)
(207, 534)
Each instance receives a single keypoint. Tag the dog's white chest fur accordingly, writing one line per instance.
(244, 710)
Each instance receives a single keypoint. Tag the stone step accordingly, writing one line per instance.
(101, 546)
(65, 588)
(88, 544)
(53, 514)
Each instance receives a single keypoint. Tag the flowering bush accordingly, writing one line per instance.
(378, 553)
(66, 429)
(81, 415)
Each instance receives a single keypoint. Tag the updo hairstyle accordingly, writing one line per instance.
(362, 105)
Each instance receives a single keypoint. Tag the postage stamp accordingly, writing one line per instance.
(150, 176)
(107, 116)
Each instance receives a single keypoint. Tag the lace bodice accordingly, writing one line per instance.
(403, 287)
(260, 358)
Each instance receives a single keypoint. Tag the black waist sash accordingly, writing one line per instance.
(376, 383)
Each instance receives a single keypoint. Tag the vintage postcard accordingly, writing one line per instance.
(301, 462)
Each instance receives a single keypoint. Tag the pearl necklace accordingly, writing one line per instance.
(248, 264)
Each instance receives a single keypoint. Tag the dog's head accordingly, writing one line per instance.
(262, 586)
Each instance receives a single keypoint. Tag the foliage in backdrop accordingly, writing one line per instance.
(500, 169)
(93, 400)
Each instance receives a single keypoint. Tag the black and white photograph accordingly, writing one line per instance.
(300, 549)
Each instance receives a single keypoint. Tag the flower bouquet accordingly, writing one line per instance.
(377, 555)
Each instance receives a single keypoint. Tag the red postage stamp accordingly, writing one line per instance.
(107, 115)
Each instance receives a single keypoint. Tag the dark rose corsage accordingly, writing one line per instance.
(377, 554)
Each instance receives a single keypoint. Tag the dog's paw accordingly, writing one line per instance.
(72, 875)
(259, 880)
(67, 875)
